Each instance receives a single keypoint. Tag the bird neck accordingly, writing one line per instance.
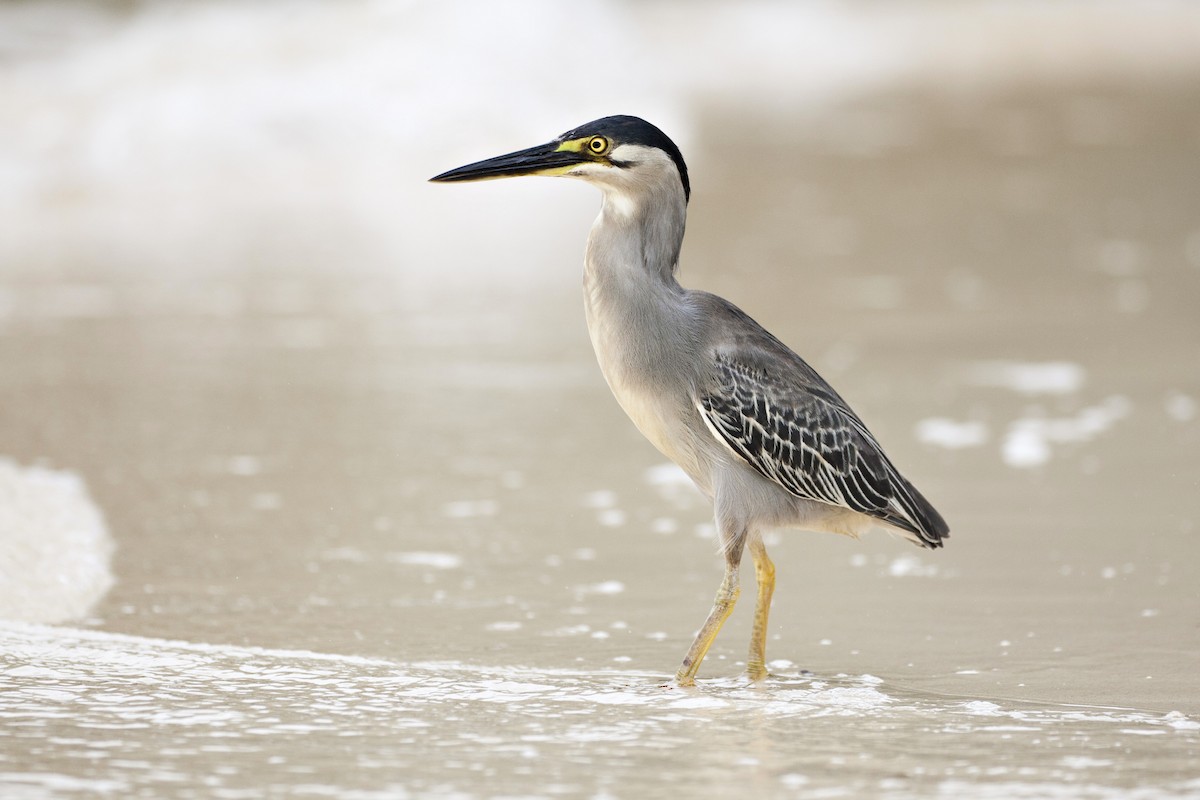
(636, 310)
(638, 316)
(637, 237)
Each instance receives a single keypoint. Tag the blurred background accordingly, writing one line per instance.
(261, 384)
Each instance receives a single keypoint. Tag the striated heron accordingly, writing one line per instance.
(761, 434)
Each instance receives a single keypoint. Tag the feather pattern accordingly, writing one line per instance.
(797, 432)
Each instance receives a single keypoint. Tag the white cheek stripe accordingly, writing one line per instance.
(620, 184)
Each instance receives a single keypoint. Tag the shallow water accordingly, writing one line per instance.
(350, 511)
(222, 721)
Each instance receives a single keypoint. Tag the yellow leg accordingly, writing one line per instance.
(764, 572)
(722, 607)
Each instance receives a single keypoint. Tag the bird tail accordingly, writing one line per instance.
(917, 516)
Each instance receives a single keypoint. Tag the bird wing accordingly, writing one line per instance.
(795, 430)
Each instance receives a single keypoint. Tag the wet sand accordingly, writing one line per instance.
(382, 529)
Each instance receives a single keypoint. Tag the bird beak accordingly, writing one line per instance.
(554, 158)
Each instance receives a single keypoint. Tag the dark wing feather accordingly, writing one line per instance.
(797, 432)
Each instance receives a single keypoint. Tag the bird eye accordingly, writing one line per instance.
(598, 145)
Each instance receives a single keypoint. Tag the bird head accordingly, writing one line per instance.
(624, 156)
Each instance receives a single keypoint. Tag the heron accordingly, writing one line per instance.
(759, 432)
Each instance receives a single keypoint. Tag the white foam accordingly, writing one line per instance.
(1028, 440)
(227, 699)
(1180, 406)
(667, 474)
(605, 587)
(673, 485)
(611, 517)
(909, 566)
(244, 465)
(943, 432)
(601, 498)
(1029, 378)
(424, 558)
(66, 657)
(55, 549)
(465, 509)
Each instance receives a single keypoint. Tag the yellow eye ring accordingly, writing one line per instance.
(598, 145)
